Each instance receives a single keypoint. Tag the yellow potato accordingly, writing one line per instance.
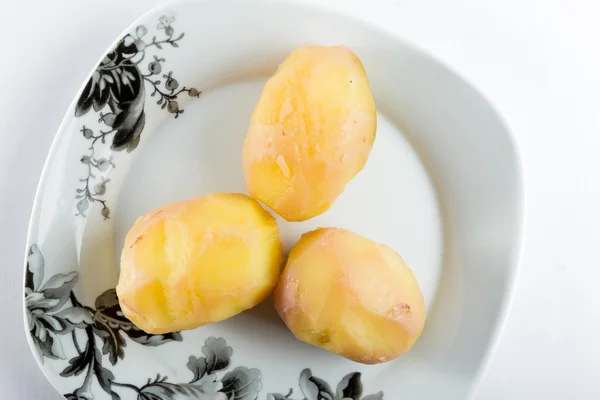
(311, 132)
(198, 261)
(350, 296)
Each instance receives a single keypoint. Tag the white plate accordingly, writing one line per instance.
(163, 118)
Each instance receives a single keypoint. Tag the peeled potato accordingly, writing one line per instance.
(350, 296)
(311, 132)
(198, 261)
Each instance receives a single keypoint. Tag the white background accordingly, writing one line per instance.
(537, 60)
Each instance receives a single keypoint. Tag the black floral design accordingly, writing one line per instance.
(53, 310)
(49, 317)
(239, 384)
(119, 85)
(44, 305)
(313, 388)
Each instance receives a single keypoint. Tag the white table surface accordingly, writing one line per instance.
(537, 60)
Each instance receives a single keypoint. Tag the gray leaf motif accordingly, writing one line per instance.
(350, 387)
(42, 324)
(314, 388)
(204, 389)
(197, 366)
(46, 342)
(103, 375)
(35, 268)
(43, 303)
(59, 287)
(79, 363)
(242, 384)
(218, 354)
(75, 317)
(217, 358)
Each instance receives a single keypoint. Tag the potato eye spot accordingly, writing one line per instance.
(323, 337)
(399, 311)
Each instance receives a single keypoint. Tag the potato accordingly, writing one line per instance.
(198, 261)
(350, 296)
(311, 132)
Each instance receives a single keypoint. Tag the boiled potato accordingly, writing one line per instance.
(311, 132)
(350, 296)
(198, 261)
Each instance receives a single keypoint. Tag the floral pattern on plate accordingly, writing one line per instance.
(313, 388)
(116, 91)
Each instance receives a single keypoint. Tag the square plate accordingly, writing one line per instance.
(162, 118)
